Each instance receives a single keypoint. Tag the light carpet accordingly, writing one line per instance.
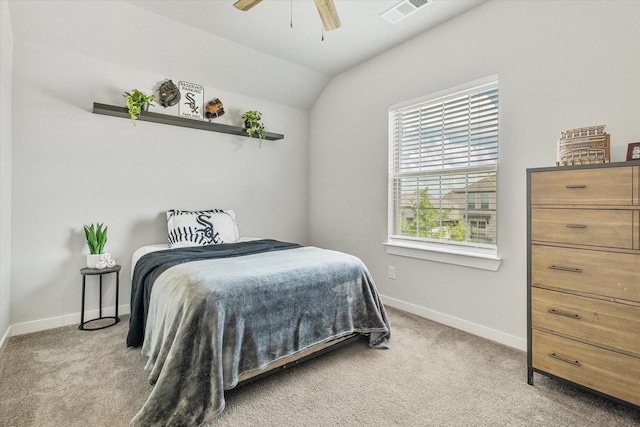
(433, 375)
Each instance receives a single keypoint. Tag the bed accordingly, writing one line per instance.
(212, 316)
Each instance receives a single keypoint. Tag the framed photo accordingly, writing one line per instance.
(633, 152)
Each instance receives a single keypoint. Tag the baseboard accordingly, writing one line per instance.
(445, 319)
(455, 322)
(66, 320)
(6, 335)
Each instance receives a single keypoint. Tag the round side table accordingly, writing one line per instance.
(97, 272)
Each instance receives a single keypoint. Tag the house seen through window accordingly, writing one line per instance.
(443, 169)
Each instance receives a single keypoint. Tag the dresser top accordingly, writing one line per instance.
(592, 166)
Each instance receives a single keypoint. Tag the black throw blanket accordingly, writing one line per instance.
(152, 265)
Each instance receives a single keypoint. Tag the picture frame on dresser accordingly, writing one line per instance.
(633, 152)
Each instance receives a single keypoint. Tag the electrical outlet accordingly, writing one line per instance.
(392, 272)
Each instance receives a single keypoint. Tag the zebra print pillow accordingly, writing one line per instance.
(201, 228)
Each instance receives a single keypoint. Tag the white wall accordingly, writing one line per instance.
(564, 65)
(6, 61)
(123, 33)
(72, 167)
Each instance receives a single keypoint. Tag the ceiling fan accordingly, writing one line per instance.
(326, 9)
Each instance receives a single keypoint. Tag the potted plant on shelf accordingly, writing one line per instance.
(137, 101)
(96, 239)
(253, 124)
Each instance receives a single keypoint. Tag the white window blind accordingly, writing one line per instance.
(443, 169)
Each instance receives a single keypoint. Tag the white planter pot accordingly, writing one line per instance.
(92, 259)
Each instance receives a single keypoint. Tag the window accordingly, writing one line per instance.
(471, 201)
(484, 201)
(443, 168)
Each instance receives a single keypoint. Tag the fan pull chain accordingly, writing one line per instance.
(291, 23)
(322, 39)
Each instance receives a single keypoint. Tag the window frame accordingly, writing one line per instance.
(446, 252)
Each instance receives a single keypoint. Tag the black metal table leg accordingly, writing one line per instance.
(100, 299)
(117, 288)
(84, 283)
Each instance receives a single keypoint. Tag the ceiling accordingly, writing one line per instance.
(266, 27)
(254, 53)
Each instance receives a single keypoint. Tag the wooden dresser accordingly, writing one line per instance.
(583, 230)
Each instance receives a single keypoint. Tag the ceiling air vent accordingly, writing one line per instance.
(403, 9)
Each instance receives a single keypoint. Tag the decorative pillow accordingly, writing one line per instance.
(201, 228)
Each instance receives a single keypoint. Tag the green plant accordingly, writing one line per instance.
(135, 101)
(253, 124)
(96, 238)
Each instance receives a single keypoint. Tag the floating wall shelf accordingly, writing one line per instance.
(145, 116)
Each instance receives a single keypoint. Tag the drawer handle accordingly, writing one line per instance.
(569, 269)
(559, 313)
(576, 186)
(576, 226)
(569, 361)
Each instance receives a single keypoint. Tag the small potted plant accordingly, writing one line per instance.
(253, 124)
(137, 101)
(96, 239)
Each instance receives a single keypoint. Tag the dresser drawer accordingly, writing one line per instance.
(599, 322)
(606, 371)
(609, 274)
(593, 227)
(608, 186)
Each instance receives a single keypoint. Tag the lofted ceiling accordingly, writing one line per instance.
(212, 42)
(267, 27)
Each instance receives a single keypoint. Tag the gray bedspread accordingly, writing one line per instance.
(210, 321)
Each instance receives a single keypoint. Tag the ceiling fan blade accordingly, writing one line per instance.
(245, 5)
(328, 14)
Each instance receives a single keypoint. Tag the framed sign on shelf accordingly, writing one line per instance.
(633, 152)
(192, 100)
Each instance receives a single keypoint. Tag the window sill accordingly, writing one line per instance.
(447, 256)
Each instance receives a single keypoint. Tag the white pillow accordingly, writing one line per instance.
(201, 228)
